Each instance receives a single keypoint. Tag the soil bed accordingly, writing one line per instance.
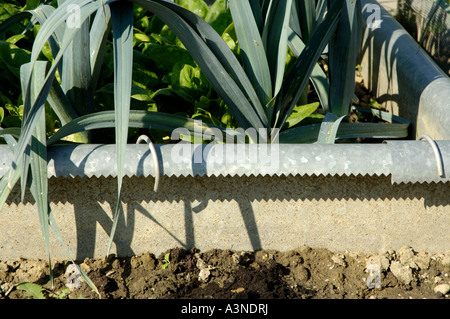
(304, 273)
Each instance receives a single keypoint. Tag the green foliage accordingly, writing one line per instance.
(158, 65)
(11, 58)
(182, 88)
(167, 79)
(36, 291)
(374, 104)
(32, 290)
(15, 52)
(166, 261)
(165, 76)
(301, 112)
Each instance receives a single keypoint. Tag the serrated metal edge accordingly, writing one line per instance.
(415, 161)
(293, 159)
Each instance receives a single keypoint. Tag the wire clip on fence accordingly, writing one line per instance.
(147, 140)
(437, 154)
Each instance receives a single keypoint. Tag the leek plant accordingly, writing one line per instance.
(255, 84)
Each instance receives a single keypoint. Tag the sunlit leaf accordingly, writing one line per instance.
(122, 24)
(31, 289)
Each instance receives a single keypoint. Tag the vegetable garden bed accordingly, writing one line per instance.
(338, 197)
(342, 197)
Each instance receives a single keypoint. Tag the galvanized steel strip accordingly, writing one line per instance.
(405, 161)
(415, 162)
(220, 159)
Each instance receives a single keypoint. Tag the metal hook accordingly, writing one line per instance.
(437, 154)
(155, 158)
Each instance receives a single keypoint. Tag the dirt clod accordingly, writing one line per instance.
(304, 273)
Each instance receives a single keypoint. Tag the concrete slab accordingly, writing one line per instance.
(348, 213)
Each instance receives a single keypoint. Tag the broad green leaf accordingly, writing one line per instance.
(252, 49)
(142, 37)
(318, 77)
(231, 65)
(122, 25)
(172, 99)
(257, 13)
(165, 57)
(15, 38)
(39, 15)
(137, 92)
(61, 104)
(298, 76)
(231, 43)
(36, 77)
(215, 60)
(218, 16)
(206, 116)
(38, 155)
(304, 20)
(52, 23)
(12, 21)
(10, 135)
(199, 7)
(329, 128)
(13, 57)
(343, 53)
(275, 39)
(97, 43)
(33, 111)
(76, 71)
(193, 79)
(31, 289)
(309, 133)
(300, 112)
(229, 62)
(31, 4)
(140, 94)
(144, 77)
(138, 119)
